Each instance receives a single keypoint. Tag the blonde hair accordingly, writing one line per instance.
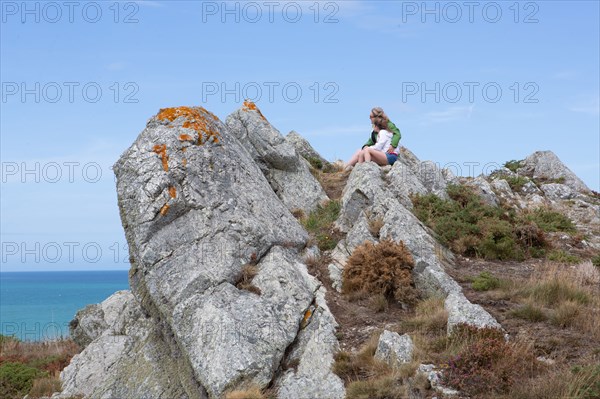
(379, 118)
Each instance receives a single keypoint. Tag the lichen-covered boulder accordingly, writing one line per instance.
(287, 172)
(198, 213)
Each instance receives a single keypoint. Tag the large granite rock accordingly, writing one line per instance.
(545, 165)
(196, 208)
(288, 173)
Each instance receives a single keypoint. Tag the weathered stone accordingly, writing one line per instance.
(129, 359)
(435, 376)
(304, 148)
(484, 190)
(288, 174)
(363, 186)
(502, 188)
(461, 311)
(313, 353)
(545, 165)
(394, 349)
(530, 188)
(557, 192)
(87, 325)
(196, 207)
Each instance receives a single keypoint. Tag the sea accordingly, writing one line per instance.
(38, 306)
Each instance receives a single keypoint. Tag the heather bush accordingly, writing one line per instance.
(384, 268)
(488, 364)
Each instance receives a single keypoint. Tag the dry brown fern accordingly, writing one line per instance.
(384, 268)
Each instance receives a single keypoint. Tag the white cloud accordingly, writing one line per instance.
(448, 115)
(590, 106)
(565, 75)
(116, 66)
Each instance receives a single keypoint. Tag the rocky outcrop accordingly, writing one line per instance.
(545, 165)
(370, 193)
(196, 208)
(483, 188)
(304, 149)
(287, 172)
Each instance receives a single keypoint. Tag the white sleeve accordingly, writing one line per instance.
(384, 138)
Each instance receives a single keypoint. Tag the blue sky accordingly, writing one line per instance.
(469, 84)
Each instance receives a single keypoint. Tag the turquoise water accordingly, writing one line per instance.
(37, 306)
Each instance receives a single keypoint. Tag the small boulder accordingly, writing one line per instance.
(394, 349)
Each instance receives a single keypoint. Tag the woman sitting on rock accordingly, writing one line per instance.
(384, 136)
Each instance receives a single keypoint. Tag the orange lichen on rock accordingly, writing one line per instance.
(161, 150)
(195, 121)
(250, 106)
(184, 162)
(164, 209)
(172, 192)
(185, 137)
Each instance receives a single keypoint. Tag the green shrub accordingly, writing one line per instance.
(596, 261)
(563, 257)
(551, 221)
(485, 282)
(516, 183)
(16, 379)
(472, 228)
(513, 165)
(315, 162)
(319, 225)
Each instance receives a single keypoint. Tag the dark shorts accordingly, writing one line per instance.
(391, 158)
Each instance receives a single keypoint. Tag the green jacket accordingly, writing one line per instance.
(395, 139)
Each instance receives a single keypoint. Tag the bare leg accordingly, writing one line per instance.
(353, 160)
(361, 156)
(378, 157)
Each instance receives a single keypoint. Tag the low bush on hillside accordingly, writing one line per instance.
(470, 227)
(513, 165)
(485, 281)
(32, 368)
(384, 269)
(489, 364)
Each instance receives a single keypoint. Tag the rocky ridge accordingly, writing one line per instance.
(202, 200)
